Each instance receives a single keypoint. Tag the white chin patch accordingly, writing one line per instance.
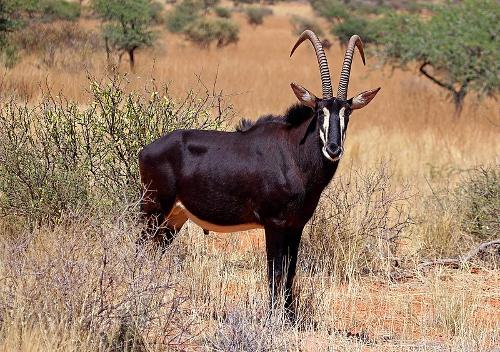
(325, 153)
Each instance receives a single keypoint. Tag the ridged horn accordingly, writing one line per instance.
(355, 41)
(326, 82)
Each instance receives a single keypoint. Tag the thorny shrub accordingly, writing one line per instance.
(478, 196)
(357, 225)
(86, 278)
(461, 216)
(58, 156)
(243, 330)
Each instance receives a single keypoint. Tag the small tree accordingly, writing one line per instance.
(128, 25)
(457, 48)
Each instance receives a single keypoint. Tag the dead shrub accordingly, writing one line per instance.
(478, 197)
(64, 44)
(357, 225)
(243, 330)
(86, 277)
(460, 217)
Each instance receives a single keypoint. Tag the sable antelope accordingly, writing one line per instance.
(268, 174)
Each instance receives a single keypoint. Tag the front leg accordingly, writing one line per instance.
(282, 246)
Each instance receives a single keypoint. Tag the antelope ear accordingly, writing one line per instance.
(304, 96)
(361, 100)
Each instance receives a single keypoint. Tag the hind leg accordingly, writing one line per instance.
(172, 224)
(163, 220)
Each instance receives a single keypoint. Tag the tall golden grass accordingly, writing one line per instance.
(409, 116)
(410, 123)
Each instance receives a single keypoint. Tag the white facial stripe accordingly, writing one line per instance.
(323, 133)
(342, 126)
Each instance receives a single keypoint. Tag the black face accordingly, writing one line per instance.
(333, 118)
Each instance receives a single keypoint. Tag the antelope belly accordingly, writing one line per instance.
(179, 208)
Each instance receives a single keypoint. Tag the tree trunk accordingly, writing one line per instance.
(458, 100)
(131, 58)
(108, 52)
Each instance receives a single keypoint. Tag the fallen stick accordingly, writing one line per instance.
(460, 261)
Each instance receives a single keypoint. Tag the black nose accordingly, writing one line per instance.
(334, 150)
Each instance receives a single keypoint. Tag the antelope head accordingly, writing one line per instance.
(333, 113)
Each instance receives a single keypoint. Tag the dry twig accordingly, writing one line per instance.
(460, 261)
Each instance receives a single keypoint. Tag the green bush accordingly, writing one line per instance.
(183, 15)
(330, 9)
(57, 157)
(354, 25)
(60, 9)
(222, 12)
(300, 24)
(246, 2)
(255, 15)
(205, 31)
(341, 9)
(478, 198)
(156, 10)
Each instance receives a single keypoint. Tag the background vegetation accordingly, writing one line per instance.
(190, 17)
(456, 47)
(388, 262)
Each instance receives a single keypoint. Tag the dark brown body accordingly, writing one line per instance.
(270, 175)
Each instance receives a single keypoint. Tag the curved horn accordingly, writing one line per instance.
(326, 82)
(355, 41)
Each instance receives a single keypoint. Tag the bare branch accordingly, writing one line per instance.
(435, 80)
(460, 261)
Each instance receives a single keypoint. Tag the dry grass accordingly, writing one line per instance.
(73, 287)
(223, 276)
